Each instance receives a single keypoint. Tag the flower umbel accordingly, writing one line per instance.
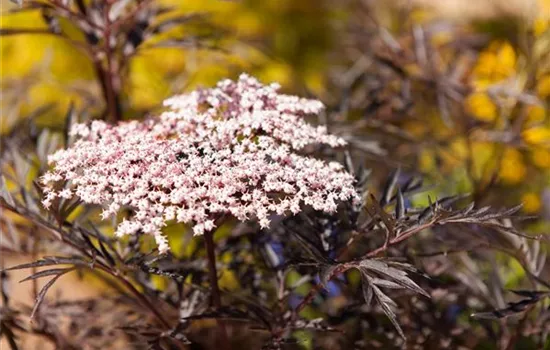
(226, 150)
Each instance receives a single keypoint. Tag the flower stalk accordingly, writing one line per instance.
(215, 299)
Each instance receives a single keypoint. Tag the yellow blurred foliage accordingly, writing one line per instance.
(159, 282)
(536, 114)
(498, 62)
(59, 73)
(543, 86)
(540, 26)
(513, 168)
(484, 162)
(480, 105)
(427, 161)
(531, 202)
(541, 158)
(228, 280)
(539, 135)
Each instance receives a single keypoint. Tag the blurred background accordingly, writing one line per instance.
(455, 91)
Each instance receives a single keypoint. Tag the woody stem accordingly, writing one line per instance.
(212, 272)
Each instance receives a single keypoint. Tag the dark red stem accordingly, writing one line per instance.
(212, 271)
(215, 296)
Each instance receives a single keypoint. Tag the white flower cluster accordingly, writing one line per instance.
(226, 150)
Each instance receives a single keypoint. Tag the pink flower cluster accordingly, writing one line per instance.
(226, 150)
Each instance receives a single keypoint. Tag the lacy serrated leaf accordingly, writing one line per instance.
(533, 294)
(446, 202)
(396, 275)
(511, 309)
(42, 294)
(386, 304)
(388, 221)
(400, 205)
(386, 283)
(426, 214)
(389, 187)
(48, 261)
(412, 184)
(46, 273)
(105, 253)
(367, 288)
(314, 251)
